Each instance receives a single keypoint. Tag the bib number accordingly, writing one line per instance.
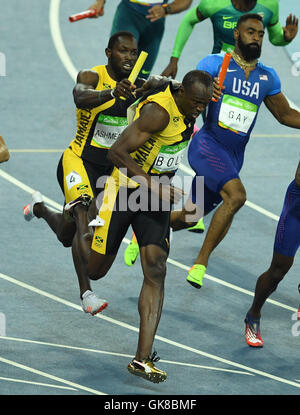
(169, 157)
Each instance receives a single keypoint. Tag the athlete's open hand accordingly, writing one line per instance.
(171, 69)
(291, 28)
(166, 192)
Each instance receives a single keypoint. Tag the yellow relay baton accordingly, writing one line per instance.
(137, 67)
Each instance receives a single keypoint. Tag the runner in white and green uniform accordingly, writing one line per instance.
(224, 15)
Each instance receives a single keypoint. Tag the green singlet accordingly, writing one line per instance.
(224, 17)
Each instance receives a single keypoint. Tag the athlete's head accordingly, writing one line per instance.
(249, 35)
(122, 53)
(195, 93)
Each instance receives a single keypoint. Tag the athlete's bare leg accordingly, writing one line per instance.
(153, 259)
(63, 229)
(234, 197)
(269, 280)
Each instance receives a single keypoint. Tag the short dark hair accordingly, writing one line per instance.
(114, 38)
(196, 75)
(248, 16)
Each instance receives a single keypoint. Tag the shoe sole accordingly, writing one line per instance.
(151, 377)
(255, 346)
(196, 230)
(98, 311)
(194, 284)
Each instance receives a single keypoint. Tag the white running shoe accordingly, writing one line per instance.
(92, 304)
(36, 197)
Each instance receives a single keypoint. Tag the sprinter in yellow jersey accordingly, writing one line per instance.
(162, 119)
(101, 117)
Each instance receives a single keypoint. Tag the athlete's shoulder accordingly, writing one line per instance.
(268, 70)
(211, 63)
(208, 7)
(268, 74)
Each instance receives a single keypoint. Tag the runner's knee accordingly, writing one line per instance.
(155, 267)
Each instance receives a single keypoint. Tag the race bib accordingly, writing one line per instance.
(237, 114)
(169, 157)
(107, 130)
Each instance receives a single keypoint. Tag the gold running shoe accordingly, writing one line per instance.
(147, 370)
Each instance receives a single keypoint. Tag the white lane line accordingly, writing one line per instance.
(66, 60)
(57, 39)
(36, 383)
(232, 286)
(35, 150)
(121, 355)
(28, 189)
(47, 375)
(163, 339)
(59, 207)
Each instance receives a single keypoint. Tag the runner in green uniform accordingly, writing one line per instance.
(145, 19)
(224, 15)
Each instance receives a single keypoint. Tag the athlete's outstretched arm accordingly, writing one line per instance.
(153, 119)
(279, 106)
(86, 96)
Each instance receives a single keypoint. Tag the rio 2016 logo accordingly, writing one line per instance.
(296, 65)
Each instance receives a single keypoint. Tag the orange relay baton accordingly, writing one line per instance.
(223, 71)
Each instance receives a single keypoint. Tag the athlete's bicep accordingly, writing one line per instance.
(87, 78)
(84, 93)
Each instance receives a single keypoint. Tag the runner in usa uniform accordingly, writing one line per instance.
(286, 244)
(217, 150)
(224, 15)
